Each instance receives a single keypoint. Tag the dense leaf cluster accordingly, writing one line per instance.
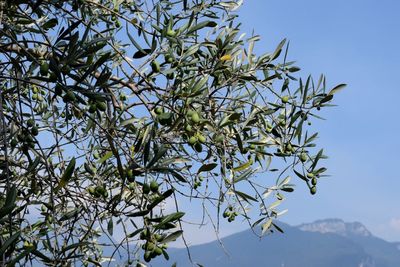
(111, 111)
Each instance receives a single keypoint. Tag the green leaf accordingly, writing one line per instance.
(266, 226)
(50, 24)
(169, 219)
(110, 226)
(207, 167)
(172, 237)
(106, 156)
(66, 177)
(202, 25)
(9, 242)
(337, 89)
(245, 196)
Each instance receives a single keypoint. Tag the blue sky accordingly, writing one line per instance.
(354, 42)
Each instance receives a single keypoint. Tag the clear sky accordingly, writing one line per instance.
(355, 42)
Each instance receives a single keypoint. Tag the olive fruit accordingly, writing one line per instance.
(201, 138)
(188, 128)
(69, 96)
(34, 131)
(146, 189)
(313, 190)
(314, 181)
(129, 175)
(285, 99)
(193, 140)
(153, 186)
(155, 66)
(303, 157)
(44, 68)
(92, 108)
(158, 251)
(195, 117)
(158, 110)
(171, 33)
(30, 122)
(102, 106)
(169, 58)
(310, 175)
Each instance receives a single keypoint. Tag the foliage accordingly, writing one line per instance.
(111, 110)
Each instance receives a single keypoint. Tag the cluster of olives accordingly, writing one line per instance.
(152, 187)
(313, 178)
(153, 246)
(197, 182)
(164, 118)
(230, 214)
(98, 191)
(97, 106)
(25, 136)
(195, 137)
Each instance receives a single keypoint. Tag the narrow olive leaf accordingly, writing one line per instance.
(165, 254)
(201, 25)
(316, 159)
(106, 156)
(277, 228)
(278, 50)
(110, 226)
(172, 237)
(266, 226)
(300, 175)
(207, 167)
(243, 166)
(159, 154)
(50, 24)
(142, 53)
(284, 181)
(11, 196)
(9, 242)
(337, 89)
(169, 219)
(66, 177)
(6, 210)
(245, 196)
(243, 176)
(73, 246)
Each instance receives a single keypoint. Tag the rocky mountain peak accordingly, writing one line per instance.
(336, 226)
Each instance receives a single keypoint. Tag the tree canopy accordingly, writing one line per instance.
(110, 110)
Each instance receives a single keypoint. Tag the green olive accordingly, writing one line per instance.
(44, 68)
(195, 117)
(155, 66)
(102, 106)
(285, 99)
(153, 186)
(303, 157)
(193, 140)
(171, 33)
(146, 189)
(201, 138)
(313, 190)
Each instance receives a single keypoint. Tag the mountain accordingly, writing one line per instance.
(323, 243)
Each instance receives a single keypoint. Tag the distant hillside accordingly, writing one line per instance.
(324, 243)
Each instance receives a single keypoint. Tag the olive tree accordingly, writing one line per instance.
(113, 110)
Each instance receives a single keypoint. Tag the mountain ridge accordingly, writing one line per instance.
(327, 243)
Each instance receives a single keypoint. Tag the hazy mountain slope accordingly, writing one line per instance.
(351, 245)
